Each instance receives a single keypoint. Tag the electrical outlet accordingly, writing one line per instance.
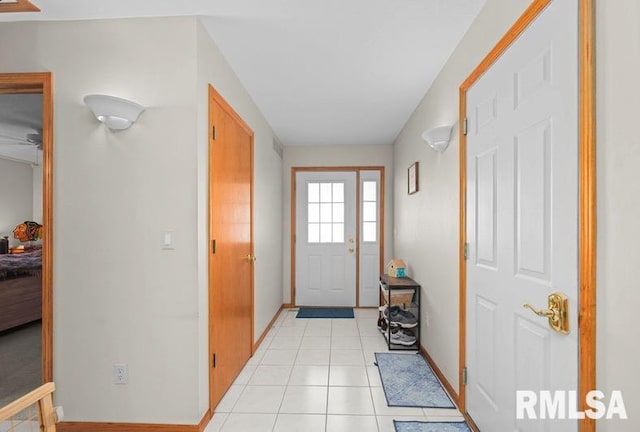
(120, 373)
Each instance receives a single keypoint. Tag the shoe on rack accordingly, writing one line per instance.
(382, 324)
(394, 310)
(403, 337)
(402, 317)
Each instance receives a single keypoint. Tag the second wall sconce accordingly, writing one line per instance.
(116, 113)
(438, 138)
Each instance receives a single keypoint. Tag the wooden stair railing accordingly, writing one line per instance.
(36, 406)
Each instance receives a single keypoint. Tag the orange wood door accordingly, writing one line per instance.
(231, 245)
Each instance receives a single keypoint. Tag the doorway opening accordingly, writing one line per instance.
(26, 270)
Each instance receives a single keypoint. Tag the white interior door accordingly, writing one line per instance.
(369, 250)
(325, 241)
(522, 213)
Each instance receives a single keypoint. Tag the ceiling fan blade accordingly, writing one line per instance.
(34, 138)
(10, 140)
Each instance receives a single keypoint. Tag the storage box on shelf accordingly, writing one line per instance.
(399, 317)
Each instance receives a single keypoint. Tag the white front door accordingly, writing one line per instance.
(522, 222)
(325, 239)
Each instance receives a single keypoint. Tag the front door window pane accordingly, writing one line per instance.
(314, 213)
(325, 192)
(326, 212)
(325, 233)
(314, 192)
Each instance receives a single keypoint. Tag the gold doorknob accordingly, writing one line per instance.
(557, 312)
(250, 258)
(351, 250)
(549, 313)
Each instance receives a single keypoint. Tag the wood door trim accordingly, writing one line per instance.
(587, 195)
(529, 15)
(19, 6)
(217, 97)
(587, 209)
(34, 83)
(226, 106)
(357, 169)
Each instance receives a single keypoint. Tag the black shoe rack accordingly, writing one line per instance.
(404, 293)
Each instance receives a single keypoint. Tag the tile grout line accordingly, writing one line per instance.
(326, 410)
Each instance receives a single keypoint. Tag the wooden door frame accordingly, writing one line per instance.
(357, 170)
(42, 83)
(587, 195)
(213, 94)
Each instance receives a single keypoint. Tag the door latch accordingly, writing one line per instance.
(557, 313)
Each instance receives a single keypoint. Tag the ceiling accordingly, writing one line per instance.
(321, 71)
(20, 121)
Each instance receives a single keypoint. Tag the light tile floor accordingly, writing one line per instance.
(316, 375)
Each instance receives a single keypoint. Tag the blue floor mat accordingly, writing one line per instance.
(416, 426)
(325, 313)
(408, 381)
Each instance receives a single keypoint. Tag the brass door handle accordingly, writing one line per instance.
(549, 313)
(557, 313)
(250, 258)
(351, 249)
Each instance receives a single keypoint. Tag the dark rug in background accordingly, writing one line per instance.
(325, 313)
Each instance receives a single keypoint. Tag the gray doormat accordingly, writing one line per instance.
(417, 426)
(408, 381)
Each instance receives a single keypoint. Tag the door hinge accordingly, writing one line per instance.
(213, 246)
(213, 360)
(466, 251)
(465, 126)
(464, 375)
(213, 132)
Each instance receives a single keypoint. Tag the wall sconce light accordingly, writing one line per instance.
(438, 138)
(116, 113)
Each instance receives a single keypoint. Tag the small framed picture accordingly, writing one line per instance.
(413, 178)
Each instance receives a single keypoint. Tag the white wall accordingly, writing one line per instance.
(618, 162)
(118, 297)
(213, 69)
(332, 156)
(431, 252)
(16, 197)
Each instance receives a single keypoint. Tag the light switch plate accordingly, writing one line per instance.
(168, 240)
